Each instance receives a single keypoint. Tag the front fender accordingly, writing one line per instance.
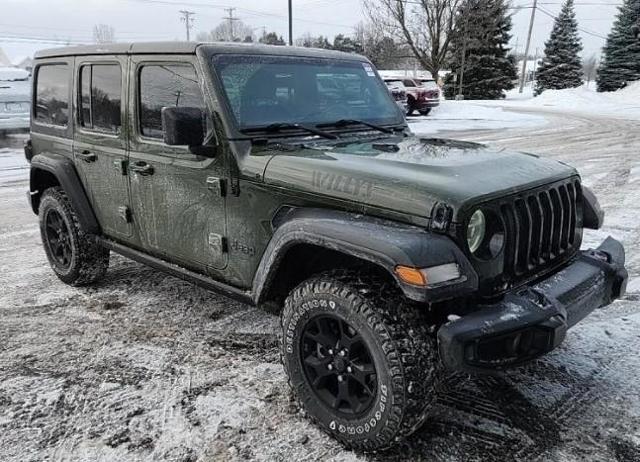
(65, 172)
(382, 242)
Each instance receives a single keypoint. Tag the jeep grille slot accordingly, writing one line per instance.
(542, 227)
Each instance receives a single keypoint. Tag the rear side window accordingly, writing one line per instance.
(100, 99)
(52, 94)
(166, 85)
(409, 83)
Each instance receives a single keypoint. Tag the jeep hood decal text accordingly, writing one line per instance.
(412, 179)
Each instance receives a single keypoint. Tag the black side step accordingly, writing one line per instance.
(179, 272)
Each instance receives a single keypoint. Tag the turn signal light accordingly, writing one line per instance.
(411, 275)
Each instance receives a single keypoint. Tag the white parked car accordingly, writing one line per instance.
(15, 99)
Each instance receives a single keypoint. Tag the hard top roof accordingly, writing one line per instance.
(190, 48)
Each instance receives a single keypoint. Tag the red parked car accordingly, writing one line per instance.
(423, 95)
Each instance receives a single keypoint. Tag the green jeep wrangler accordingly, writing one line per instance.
(288, 177)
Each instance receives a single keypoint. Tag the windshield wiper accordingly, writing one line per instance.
(279, 126)
(347, 122)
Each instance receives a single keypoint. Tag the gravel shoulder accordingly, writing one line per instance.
(146, 367)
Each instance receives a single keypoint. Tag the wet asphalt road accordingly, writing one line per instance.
(143, 366)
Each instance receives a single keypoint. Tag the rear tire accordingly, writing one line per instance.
(74, 255)
(359, 359)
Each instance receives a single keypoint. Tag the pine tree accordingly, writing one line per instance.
(561, 66)
(272, 38)
(482, 34)
(621, 54)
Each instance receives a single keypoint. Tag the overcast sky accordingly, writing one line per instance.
(26, 24)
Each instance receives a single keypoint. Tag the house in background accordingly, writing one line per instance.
(26, 64)
(4, 59)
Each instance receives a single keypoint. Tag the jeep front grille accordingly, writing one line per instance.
(542, 227)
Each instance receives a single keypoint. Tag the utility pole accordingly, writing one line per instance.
(187, 19)
(526, 48)
(535, 66)
(464, 51)
(230, 18)
(290, 24)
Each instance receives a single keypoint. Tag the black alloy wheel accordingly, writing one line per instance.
(58, 238)
(338, 365)
(75, 256)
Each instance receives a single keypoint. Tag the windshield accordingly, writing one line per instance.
(265, 90)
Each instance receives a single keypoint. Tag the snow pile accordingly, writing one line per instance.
(467, 115)
(624, 103)
(9, 74)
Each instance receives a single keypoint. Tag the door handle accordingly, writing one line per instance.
(87, 156)
(142, 168)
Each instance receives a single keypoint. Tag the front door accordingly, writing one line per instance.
(99, 147)
(177, 196)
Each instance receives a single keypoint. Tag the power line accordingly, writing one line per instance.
(581, 29)
(247, 11)
(187, 19)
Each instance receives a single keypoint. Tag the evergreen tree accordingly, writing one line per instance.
(346, 44)
(272, 39)
(561, 66)
(621, 54)
(482, 35)
(315, 42)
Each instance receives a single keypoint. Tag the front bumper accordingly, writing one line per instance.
(534, 320)
(423, 103)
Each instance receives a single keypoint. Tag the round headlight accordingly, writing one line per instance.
(476, 230)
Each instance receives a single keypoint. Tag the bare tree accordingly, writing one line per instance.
(589, 68)
(103, 33)
(227, 31)
(424, 26)
(381, 49)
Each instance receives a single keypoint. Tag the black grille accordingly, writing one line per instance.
(542, 227)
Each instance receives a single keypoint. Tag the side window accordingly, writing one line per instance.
(100, 98)
(52, 94)
(409, 83)
(166, 85)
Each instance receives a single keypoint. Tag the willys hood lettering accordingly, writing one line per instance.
(410, 175)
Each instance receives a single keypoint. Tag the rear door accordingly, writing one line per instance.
(100, 147)
(177, 196)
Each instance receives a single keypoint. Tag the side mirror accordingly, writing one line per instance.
(183, 126)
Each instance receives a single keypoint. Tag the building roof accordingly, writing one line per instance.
(4, 60)
(189, 48)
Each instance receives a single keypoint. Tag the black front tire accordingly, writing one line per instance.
(394, 335)
(425, 112)
(74, 255)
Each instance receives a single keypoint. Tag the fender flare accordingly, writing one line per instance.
(63, 169)
(382, 242)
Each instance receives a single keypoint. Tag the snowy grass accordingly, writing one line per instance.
(624, 103)
(468, 115)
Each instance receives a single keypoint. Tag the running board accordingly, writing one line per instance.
(179, 272)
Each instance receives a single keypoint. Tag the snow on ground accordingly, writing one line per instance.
(13, 165)
(145, 367)
(624, 103)
(467, 115)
